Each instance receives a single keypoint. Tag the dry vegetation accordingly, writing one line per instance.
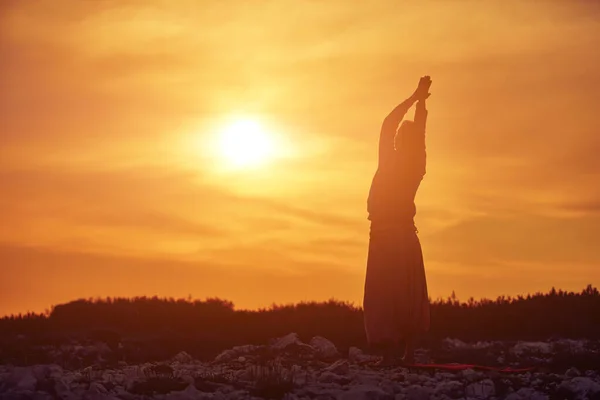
(142, 329)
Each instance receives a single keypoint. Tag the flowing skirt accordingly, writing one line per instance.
(395, 302)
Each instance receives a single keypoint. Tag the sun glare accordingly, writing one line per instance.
(245, 143)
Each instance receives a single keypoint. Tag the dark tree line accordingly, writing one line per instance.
(204, 328)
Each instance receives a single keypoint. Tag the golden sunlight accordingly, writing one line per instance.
(245, 143)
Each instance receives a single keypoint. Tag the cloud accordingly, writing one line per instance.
(149, 204)
(99, 98)
(587, 207)
(524, 238)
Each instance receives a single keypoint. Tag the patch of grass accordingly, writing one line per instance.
(272, 381)
(211, 381)
(159, 371)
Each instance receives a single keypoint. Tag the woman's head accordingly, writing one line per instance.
(405, 127)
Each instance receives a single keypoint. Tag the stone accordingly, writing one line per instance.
(527, 394)
(417, 392)
(325, 349)
(365, 392)
(190, 393)
(330, 377)
(452, 389)
(533, 348)
(581, 386)
(286, 341)
(183, 357)
(339, 367)
(22, 378)
(236, 352)
(357, 355)
(481, 390)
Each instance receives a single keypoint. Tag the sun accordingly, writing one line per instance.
(245, 143)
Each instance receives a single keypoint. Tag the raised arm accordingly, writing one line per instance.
(391, 122)
(420, 117)
(418, 153)
(388, 131)
(412, 150)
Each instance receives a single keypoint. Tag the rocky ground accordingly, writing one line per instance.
(287, 368)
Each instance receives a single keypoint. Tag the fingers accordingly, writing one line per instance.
(425, 82)
(422, 91)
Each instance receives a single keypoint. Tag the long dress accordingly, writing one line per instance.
(395, 300)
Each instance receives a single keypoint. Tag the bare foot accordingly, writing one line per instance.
(409, 351)
(386, 361)
(408, 359)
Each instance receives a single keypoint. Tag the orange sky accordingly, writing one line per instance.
(107, 188)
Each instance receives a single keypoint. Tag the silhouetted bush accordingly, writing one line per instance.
(142, 328)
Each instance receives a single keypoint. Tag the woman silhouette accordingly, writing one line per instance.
(396, 304)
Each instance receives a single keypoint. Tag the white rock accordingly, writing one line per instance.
(357, 355)
(121, 392)
(389, 386)
(324, 347)
(412, 378)
(99, 396)
(43, 396)
(470, 375)
(97, 387)
(97, 349)
(365, 392)
(183, 357)
(481, 390)
(368, 378)
(416, 392)
(189, 393)
(572, 373)
(581, 386)
(235, 352)
(449, 387)
(339, 367)
(527, 394)
(482, 345)
(454, 343)
(285, 341)
(440, 376)
(62, 388)
(246, 374)
(421, 356)
(22, 378)
(591, 374)
(572, 345)
(313, 392)
(539, 348)
(330, 377)
(47, 371)
(354, 353)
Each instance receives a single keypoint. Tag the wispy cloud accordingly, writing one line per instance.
(105, 107)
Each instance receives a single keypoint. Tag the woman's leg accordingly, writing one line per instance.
(387, 350)
(409, 351)
(419, 316)
(378, 301)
